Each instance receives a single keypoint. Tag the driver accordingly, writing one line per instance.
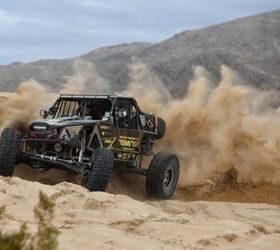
(93, 112)
(123, 114)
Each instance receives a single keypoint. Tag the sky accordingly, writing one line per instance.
(37, 29)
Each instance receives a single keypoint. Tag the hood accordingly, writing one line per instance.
(62, 122)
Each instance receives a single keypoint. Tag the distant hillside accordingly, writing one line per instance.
(111, 62)
(251, 46)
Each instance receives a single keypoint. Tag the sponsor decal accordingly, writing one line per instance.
(129, 143)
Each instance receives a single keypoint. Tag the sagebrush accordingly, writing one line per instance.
(44, 239)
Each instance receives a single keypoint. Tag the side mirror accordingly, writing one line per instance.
(43, 113)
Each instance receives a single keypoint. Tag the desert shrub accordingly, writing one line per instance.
(16, 240)
(2, 211)
(44, 239)
(46, 236)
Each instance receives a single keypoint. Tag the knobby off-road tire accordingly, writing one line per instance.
(101, 170)
(161, 128)
(162, 176)
(9, 149)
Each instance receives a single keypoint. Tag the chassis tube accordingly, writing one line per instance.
(79, 168)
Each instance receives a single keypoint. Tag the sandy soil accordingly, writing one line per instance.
(113, 221)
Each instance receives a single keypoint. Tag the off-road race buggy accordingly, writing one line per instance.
(92, 135)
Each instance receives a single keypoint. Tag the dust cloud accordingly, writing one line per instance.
(147, 88)
(85, 80)
(24, 105)
(216, 126)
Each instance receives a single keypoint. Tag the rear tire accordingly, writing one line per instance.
(101, 170)
(9, 149)
(161, 128)
(162, 176)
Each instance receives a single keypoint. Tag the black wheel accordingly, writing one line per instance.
(101, 170)
(9, 148)
(162, 176)
(161, 128)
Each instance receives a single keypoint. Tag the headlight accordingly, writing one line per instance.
(38, 126)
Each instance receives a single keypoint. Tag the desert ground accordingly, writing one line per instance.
(114, 221)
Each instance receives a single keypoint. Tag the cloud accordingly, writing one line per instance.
(6, 18)
(68, 27)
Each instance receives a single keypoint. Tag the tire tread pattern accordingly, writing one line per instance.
(102, 168)
(156, 173)
(9, 149)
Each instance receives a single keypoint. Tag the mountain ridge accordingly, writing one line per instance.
(250, 46)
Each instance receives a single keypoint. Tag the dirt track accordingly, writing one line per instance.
(106, 221)
(217, 188)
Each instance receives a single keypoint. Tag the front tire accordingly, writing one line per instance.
(101, 170)
(162, 176)
(9, 149)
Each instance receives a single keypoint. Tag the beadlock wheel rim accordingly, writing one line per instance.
(168, 178)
